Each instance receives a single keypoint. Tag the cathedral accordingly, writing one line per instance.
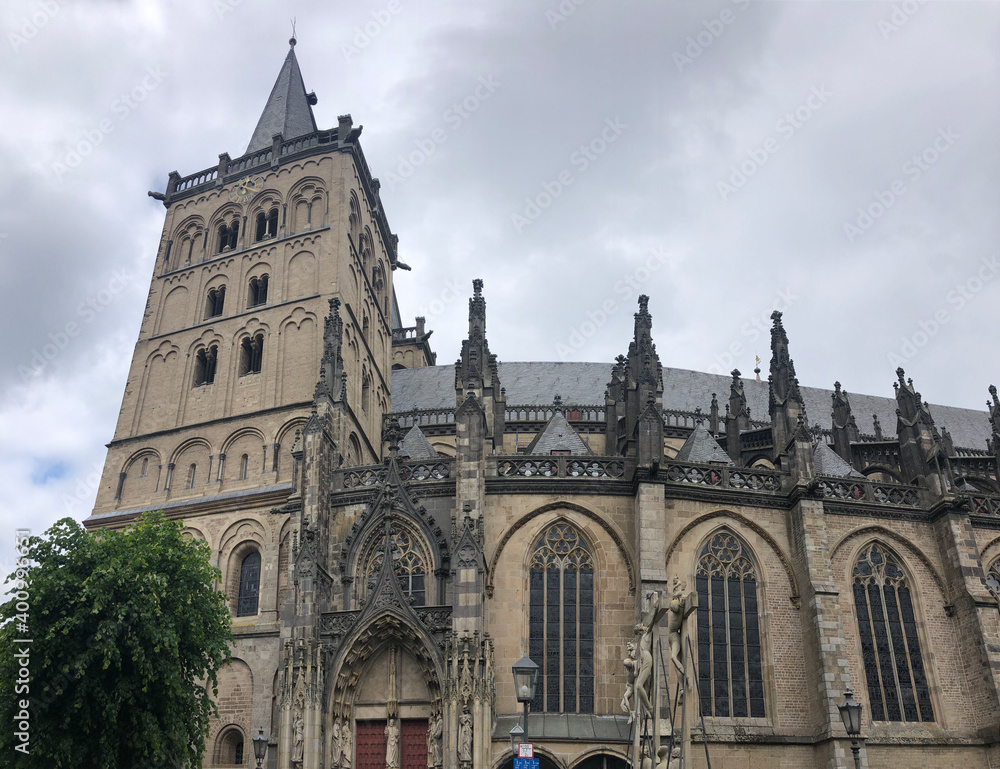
(395, 535)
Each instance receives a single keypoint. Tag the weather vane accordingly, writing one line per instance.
(292, 41)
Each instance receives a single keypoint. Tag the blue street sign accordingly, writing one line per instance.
(525, 763)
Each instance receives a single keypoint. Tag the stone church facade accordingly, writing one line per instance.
(393, 535)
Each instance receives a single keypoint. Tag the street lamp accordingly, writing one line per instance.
(516, 738)
(260, 747)
(525, 680)
(850, 714)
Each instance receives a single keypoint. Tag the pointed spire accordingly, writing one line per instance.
(877, 426)
(994, 408)
(288, 111)
(845, 429)
(737, 416)
(785, 403)
(477, 370)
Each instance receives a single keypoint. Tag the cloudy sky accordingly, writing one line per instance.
(838, 160)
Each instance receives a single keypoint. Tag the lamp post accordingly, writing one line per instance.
(260, 747)
(850, 714)
(516, 738)
(525, 680)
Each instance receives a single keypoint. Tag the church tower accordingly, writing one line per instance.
(267, 337)
(253, 251)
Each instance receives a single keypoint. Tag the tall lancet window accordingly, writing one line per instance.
(246, 604)
(894, 666)
(561, 621)
(407, 564)
(730, 675)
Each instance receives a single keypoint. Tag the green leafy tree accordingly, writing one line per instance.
(127, 635)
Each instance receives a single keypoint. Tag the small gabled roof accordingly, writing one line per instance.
(289, 108)
(558, 435)
(416, 446)
(700, 446)
(829, 462)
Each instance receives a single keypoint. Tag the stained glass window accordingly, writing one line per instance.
(561, 621)
(246, 606)
(730, 669)
(894, 667)
(407, 564)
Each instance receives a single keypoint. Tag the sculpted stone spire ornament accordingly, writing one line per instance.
(331, 367)
(994, 408)
(784, 399)
(845, 429)
(477, 370)
(737, 416)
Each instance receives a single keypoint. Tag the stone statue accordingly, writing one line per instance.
(631, 664)
(434, 735)
(347, 740)
(392, 744)
(675, 627)
(465, 737)
(298, 739)
(336, 747)
(644, 667)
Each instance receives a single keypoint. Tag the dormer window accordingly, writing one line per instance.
(215, 303)
(258, 291)
(267, 225)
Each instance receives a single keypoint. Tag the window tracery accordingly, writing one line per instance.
(894, 668)
(730, 671)
(561, 621)
(407, 564)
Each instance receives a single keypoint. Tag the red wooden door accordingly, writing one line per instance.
(370, 745)
(414, 744)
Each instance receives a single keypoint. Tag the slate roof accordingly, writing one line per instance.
(287, 111)
(700, 446)
(416, 446)
(433, 387)
(829, 462)
(558, 435)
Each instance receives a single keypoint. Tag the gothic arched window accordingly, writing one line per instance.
(246, 604)
(407, 564)
(894, 666)
(993, 579)
(730, 675)
(561, 621)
